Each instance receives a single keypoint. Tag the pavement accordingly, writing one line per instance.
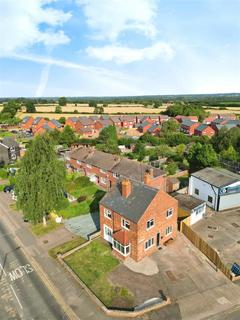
(85, 225)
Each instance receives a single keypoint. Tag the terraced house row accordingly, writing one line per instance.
(106, 169)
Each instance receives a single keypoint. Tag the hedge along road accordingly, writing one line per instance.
(22, 293)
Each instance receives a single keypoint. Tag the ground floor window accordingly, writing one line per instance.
(149, 243)
(124, 250)
(169, 230)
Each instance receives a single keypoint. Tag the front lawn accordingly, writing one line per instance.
(87, 193)
(67, 246)
(39, 229)
(92, 265)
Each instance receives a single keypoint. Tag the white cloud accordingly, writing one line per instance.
(20, 24)
(124, 55)
(110, 18)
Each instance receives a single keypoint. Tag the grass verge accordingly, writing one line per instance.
(92, 265)
(39, 229)
(67, 246)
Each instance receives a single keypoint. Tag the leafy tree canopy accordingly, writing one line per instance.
(40, 180)
(62, 101)
(108, 140)
(58, 109)
(202, 156)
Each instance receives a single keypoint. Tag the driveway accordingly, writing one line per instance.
(84, 225)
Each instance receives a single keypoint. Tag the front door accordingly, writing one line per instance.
(108, 234)
(158, 239)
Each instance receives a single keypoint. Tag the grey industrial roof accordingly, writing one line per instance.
(132, 207)
(188, 202)
(217, 177)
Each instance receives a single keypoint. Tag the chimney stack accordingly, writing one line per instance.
(126, 188)
(148, 176)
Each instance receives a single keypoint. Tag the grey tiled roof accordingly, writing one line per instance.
(187, 122)
(132, 207)
(56, 123)
(217, 177)
(102, 160)
(9, 142)
(202, 127)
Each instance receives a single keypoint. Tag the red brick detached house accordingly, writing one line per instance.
(137, 219)
(204, 130)
(71, 122)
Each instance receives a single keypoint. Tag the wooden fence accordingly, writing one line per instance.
(206, 249)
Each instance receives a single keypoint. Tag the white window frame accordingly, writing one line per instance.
(169, 213)
(168, 230)
(107, 213)
(89, 166)
(124, 253)
(115, 175)
(125, 222)
(152, 224)
(149, 244)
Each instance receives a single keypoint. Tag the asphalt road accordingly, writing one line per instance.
(22, 293)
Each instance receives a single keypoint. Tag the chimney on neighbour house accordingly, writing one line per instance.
(126, 188)
(148, 176)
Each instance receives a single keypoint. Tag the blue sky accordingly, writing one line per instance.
(119, 47)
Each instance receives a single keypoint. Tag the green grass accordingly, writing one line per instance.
(92, 265)
(67, 246)
(80, 186)
(4, 134)
(39, 229)
(3, 173)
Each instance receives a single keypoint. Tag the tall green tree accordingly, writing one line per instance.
(30, 107)
(62, 101)
(202, 156)
(58, 109)
(108, 140)
(40, 180)
(67, 136)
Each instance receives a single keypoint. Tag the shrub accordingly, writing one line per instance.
(81, 198)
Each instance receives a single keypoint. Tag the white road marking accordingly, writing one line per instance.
(20, 271)
(4, 272)
(16, 297)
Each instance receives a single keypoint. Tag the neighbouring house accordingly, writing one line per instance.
(172, 184)
(85, 123)
(154, 130)
(86, 132)
(210, 119)
(9, 150)
(144, 126)
(191, 207)
(42, 129)
(204, 130)
(26, 123)
(188, 126)
(116, 121)
(218, 124)
(163, 118)
(137, 219)
(106, 169)
(37, 124)
(54, 124)
(128, 122)
(227, 116)
(100, 124)
(71, 122)
(180, 118)
(218, 187)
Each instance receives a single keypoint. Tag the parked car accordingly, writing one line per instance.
(8, 189)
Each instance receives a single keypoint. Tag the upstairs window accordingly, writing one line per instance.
(125, 224)
(150, 223)
(107, 213)
(169, 212)
(196, 191)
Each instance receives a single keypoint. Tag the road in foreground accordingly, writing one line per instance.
(22, 293)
